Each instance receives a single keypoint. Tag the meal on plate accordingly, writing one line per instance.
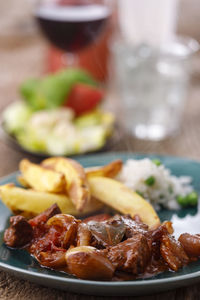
(60, 114)
(121, 239)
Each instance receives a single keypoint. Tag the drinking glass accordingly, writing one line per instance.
(152, 85)
(72, 25)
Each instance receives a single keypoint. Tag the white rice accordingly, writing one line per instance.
(166, 187)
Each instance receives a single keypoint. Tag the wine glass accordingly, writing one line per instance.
(72, 25)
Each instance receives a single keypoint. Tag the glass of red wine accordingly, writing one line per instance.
(72, 25)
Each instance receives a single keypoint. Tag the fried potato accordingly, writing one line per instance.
(110, 170)
(41, 179)
(76, 181)
(22, 181)
(33, 202)
(121, 198)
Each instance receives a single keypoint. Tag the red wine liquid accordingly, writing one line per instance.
(72, 28)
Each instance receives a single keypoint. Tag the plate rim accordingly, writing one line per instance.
(120, 153)
(149, 282)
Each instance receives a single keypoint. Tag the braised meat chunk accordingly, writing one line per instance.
(133, 226)
(45, 216)
(131, 255)
(19, 234)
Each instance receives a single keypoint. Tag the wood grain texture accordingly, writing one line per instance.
(22, 58)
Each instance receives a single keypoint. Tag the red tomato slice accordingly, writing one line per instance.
(83, 98)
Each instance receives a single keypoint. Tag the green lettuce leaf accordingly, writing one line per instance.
(51, 91)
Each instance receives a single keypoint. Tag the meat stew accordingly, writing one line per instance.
(102, 247)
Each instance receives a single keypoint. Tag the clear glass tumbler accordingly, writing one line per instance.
(152, 85)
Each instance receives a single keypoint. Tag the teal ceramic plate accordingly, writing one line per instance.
(21, 264)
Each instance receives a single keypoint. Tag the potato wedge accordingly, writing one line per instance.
(121, 198)
(42, 179)
(110, 170)
(33, 202)
(23, 181)
(76, 181)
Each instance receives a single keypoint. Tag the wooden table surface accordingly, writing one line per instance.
(24, 56)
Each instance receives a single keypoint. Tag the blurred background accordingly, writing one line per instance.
(20, 36)
(121, 37)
